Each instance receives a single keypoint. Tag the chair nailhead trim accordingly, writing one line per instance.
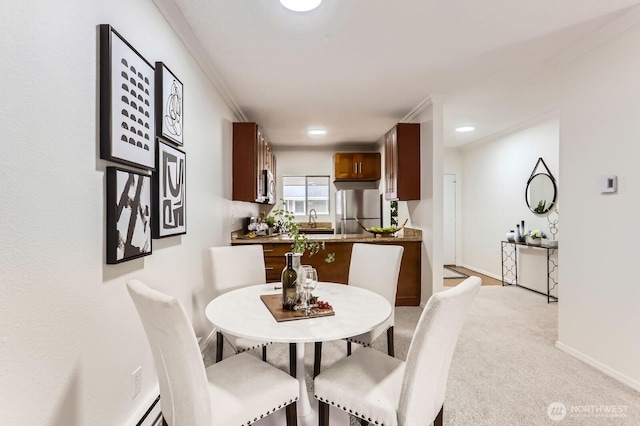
(273, 410)
(326, 401)
(240, 350)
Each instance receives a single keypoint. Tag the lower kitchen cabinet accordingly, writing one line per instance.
(408, 293)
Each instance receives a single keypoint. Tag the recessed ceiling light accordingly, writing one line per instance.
(317, 132)
(301, 5)
(463, 129)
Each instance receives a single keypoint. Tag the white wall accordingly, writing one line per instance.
(493, 182)
(70, 337)
(599, 293)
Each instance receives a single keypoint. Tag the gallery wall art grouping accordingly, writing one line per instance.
(141, 119)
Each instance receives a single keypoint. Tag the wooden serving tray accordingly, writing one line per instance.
(274, 303)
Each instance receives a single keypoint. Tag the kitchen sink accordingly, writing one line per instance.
(319, 228)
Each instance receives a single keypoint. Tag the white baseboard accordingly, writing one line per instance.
(633, 384)
(480, 271)
(144, 406)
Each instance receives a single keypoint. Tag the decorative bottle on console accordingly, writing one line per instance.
(518, 236)
(289, 281)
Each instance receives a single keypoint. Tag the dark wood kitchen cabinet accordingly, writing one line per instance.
(350, 166)
(253, 165)
(409, 279)
(402, 162)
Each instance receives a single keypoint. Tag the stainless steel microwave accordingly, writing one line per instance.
(269, 187)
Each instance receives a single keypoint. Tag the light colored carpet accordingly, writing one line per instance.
(506, 369)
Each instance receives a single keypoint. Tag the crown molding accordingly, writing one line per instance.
(541, 118)
(173, 15)
(415, 113)
(622, 23)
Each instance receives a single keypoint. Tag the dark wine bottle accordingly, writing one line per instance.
(289, 282)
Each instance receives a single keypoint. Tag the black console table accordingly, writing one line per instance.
(510, 267)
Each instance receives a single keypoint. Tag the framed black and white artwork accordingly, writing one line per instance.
(169, 192)
(127, 102)
(169, 112)
(128, 215)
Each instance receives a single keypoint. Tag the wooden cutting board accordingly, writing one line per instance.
(274, 303)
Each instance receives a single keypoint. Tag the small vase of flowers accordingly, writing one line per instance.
(534, 238)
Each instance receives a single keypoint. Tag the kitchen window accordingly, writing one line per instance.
(303, 193)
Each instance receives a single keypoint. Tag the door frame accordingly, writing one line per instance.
(450, 220)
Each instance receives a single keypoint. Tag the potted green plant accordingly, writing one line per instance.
(301, 243)
(271, 222)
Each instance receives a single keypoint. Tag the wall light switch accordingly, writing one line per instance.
(608, 184)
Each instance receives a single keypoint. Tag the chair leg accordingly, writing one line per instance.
(348, 348)
(323, 414)
(390, 350)
(439, 417)
(317, 358)
(292, 414)
(292, 360)
(264, 353)
(219, 344)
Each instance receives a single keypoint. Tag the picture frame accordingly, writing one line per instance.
(129, 215)
(169, 192)
(127, 102)
(169, 105)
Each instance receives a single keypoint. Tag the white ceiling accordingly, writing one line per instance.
(357, 67)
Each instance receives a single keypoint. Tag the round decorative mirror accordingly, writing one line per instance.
(541, 193)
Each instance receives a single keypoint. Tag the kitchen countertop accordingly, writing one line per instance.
(410, 234)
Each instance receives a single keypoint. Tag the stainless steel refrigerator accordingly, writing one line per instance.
(364, 204)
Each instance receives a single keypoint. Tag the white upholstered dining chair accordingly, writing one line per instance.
(233, 267)
(237, 391)
(383, 390)
(374, 267)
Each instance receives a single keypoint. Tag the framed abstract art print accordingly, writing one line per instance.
(128, 215)
(169, 105)
(127, 102)
(169, 192)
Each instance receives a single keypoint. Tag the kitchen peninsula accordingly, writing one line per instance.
(275, 247)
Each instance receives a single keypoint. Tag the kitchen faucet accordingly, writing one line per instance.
(312, 218)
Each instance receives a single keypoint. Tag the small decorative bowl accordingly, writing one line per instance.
(381, 234)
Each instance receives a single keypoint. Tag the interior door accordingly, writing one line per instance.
(449, 218)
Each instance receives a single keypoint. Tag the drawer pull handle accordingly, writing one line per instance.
(267, 251)
(269, 269)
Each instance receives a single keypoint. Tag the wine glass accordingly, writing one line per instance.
(309, 283)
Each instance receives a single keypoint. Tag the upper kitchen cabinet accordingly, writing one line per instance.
(254, 165)
(358, 166)
(402, 162)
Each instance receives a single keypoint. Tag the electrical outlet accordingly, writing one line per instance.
(136, 382)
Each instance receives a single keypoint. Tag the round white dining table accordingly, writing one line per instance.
(242, 313)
